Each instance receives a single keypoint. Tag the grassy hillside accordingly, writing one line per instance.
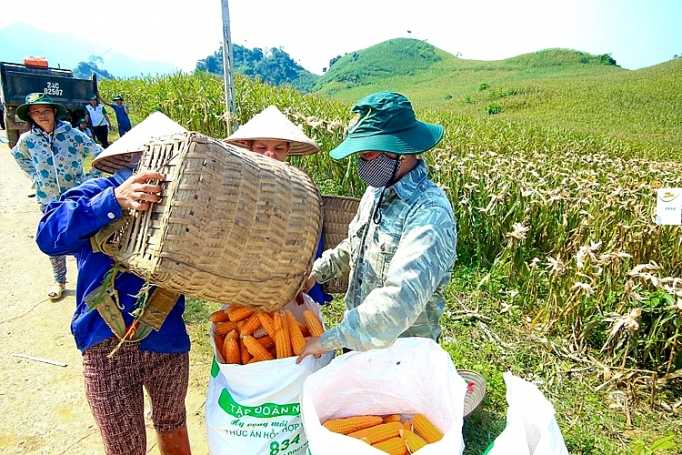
(555, 88)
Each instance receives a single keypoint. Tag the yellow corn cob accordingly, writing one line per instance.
(219, 342)
(250, 325)
(231, 351)
(378, 433)
(267, 341)
(393, 446)
(392, 418)
(426, 429)
(407, 425)
(255, 348)
(245, 354)
(412, 441)
(238, 313)
(297, 340)
(351, 424)
(282, 343)
(233, 334)
(314, 324)
(223, 328)
(218, 316)
(267, 323)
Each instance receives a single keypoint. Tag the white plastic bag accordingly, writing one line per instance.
(254, 409)
(531, 426)
(414, 375)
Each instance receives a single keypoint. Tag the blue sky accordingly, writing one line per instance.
(637, 33)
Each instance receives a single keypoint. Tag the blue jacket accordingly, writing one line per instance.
(66, 228)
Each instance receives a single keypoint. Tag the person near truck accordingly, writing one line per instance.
(122, 113)
(272, 134)
(83, 126)
(98, 118)
(400, 248)
(52, 153)
(118, 372)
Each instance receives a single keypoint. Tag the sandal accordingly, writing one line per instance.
(56, 291)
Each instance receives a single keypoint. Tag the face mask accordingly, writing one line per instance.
(379, 172)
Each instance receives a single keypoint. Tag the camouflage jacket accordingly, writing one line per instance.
(398, 268)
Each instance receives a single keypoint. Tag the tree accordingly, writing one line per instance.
(606, 59)
(272, 66)
(334, 60)
(84, 70)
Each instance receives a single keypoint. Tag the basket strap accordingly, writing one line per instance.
(158, 306)
(99, 240)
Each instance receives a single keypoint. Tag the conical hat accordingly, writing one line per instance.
(272, 124)
(120, 153)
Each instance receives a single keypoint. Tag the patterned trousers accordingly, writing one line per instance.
(114, 388)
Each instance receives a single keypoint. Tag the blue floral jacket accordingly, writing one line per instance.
(54, 162)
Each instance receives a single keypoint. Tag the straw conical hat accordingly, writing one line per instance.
(272, 124)
(118, 154)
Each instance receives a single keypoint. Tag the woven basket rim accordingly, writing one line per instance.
(473, 400)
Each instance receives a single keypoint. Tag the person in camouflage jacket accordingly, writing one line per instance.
(401, 245)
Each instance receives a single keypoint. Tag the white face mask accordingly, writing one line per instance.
(378, 172)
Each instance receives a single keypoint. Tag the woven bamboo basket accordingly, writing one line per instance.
(232, 226)
(338, 211)
(476, 390)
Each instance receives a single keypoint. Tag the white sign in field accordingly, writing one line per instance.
(669, 206)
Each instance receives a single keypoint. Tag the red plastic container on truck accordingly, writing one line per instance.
(35, 62)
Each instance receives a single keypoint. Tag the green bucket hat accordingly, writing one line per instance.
(117, 97)
(39, 98)
(93, 97)
(385, 122)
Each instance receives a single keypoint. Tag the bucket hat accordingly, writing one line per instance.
(118, 97)
(93, 97)
(385, 122)
(39, 98)
(272, 124)
(82, 121)
(122, 152)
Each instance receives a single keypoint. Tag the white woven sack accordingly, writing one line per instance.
(255, 409)
(531, 427)
(413, 375)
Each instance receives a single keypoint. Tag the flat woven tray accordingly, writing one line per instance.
(338, 211)
(231, 227)
(476, 390)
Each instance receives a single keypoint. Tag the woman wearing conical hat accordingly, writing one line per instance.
(151, 362)
(272, 134)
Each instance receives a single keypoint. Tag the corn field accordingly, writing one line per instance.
(563, 222)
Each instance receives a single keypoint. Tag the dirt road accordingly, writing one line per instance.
(43, 406)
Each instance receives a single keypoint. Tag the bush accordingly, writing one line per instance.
(493, 108)
(483, 86)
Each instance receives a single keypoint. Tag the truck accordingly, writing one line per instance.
(18, 80)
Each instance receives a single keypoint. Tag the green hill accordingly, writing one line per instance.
(556, 88)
